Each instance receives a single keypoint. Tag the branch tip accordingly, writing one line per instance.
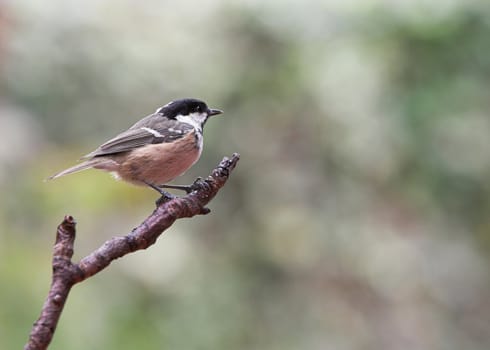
(69, 220)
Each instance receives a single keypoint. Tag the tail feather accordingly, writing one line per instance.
(79, 167)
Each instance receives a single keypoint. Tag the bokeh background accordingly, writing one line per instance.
(358, 217)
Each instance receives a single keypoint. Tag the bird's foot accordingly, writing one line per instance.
(187, 188)
(197, 184)
(165, 196)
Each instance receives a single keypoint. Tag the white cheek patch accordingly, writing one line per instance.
(200, 118)
(194, 119)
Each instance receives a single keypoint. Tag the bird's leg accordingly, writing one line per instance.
(186, 188)
(165, 195)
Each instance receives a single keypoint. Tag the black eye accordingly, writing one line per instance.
(199, 109)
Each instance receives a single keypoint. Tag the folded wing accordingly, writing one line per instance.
(142, 134)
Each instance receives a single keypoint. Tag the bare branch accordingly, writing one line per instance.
(66, 273)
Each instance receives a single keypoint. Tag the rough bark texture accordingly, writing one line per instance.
(66, 273)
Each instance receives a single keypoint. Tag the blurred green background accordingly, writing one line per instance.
(359, 214)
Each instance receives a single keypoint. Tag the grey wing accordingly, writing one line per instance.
(141, 134)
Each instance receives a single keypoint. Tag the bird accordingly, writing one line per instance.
(156, 149)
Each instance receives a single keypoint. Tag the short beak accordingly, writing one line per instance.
(214, 112)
